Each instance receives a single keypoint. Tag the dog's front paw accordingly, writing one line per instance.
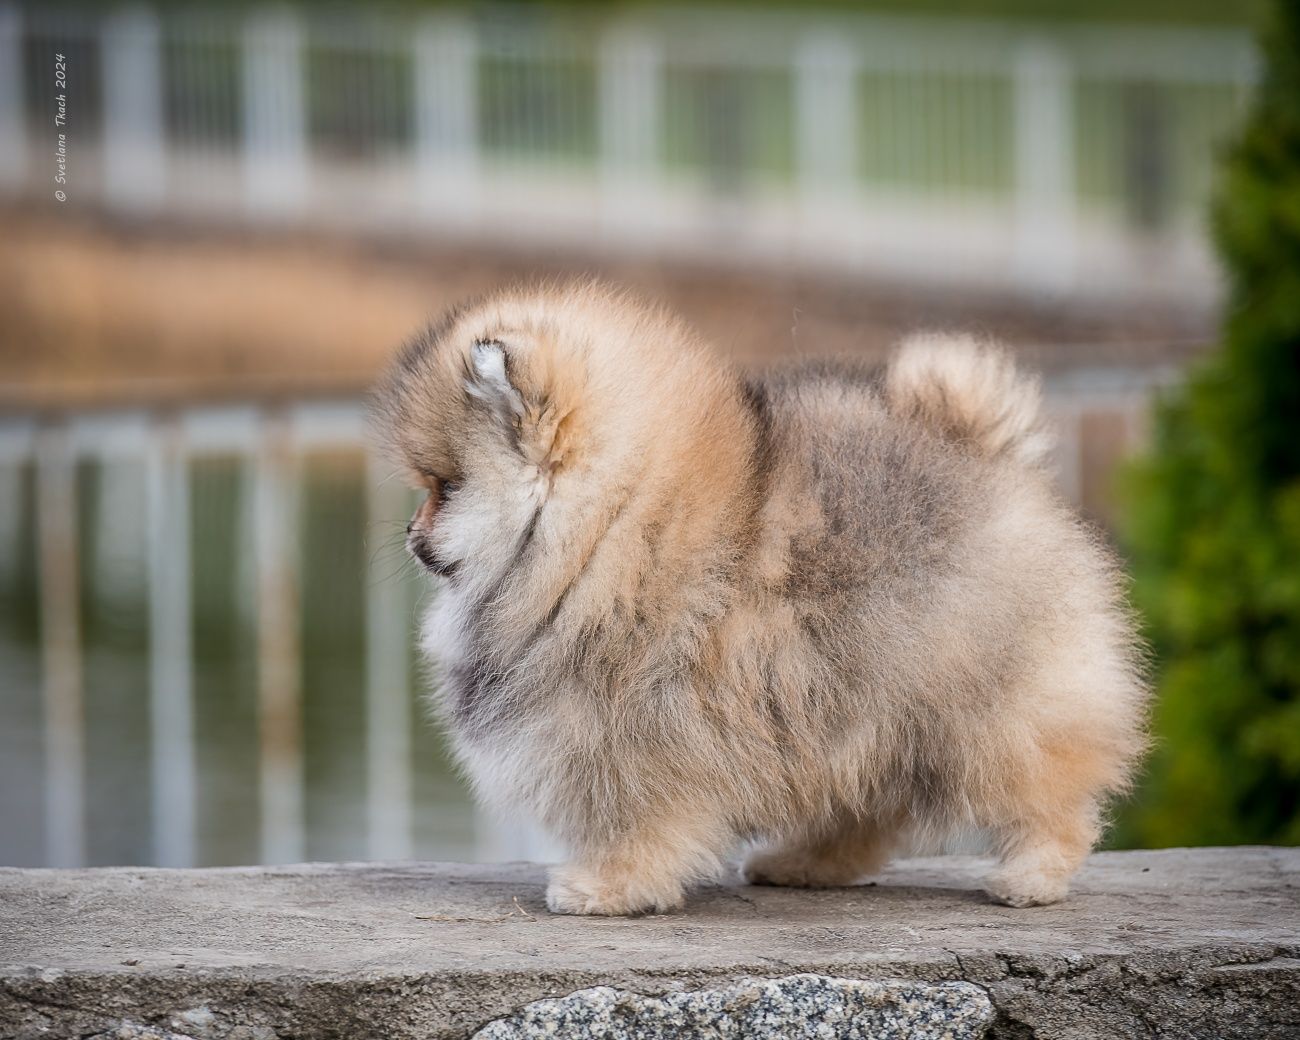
(575, 890)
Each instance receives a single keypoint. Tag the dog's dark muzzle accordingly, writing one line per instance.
(418, 546)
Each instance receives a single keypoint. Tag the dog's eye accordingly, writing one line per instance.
(449, 488)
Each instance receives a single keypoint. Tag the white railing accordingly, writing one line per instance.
(1017, 156)
(1098, 415)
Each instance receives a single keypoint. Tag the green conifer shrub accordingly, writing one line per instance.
(1213, 514)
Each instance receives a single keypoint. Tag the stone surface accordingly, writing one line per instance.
(1188, 943)
(806, 1005)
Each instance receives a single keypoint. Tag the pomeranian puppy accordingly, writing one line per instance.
(822, 614)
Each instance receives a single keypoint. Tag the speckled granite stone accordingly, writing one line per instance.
(797, 1006)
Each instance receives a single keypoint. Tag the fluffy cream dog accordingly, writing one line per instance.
(823, 613)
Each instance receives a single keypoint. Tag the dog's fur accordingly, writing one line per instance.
(828, 611)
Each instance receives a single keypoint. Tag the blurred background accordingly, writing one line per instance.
(218, 220)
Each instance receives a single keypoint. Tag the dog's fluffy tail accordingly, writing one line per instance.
(971, 393)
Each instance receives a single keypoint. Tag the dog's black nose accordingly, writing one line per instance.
(410, 524)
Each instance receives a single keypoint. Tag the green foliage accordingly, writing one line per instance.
(1214, 514)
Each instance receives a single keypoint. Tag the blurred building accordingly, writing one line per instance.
(1065, 160)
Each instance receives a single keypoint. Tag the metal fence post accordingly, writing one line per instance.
(135, 172)
(279, 671)
(630, 105)
(825, 68)
(1045, 204)
(13, 122)
(446, 119)
(275, 146)
(388, 708)
(56, 515)
(11, 510)
(171, 703)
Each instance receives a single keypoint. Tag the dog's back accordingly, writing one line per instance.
(985, 671)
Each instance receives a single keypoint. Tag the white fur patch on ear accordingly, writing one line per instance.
(491, 383)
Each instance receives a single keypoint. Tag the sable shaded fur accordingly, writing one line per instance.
(824, 613)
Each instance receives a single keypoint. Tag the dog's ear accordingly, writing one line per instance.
(532, 423)
(489, 380)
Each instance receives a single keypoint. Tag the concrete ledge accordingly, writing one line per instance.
(1189, 943)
